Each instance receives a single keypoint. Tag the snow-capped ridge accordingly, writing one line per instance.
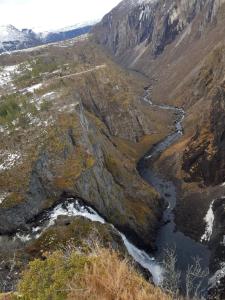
(68, 28)
(12, 39)
(11, 33)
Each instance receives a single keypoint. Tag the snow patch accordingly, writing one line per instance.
(6, 74)
(3, 195)
(69, 108)
(10, 33)
(174, 16)
(74, 209)
(209, 219)
(23, 237)
(9, 160)
(33, 88)
(70, 209)
(37, 101)
(40, 123)
(44, 34)
(138, 2)
(48, 95)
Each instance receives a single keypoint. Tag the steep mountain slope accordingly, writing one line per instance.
(74, 124)
(72, 96)
(163, 39)
(140, 26)
(180, 46)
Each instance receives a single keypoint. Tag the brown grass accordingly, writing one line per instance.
(110, 278)
(137, 150)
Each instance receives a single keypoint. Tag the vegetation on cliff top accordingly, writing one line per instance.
(101, 274)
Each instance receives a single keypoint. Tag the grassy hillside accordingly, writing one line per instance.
(100, 274)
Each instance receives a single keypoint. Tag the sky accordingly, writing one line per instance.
(42, 15)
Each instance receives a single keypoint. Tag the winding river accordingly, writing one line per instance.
(168, 236)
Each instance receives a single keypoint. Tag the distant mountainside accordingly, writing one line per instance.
(12, 38)
(64, 34)
(137, 30)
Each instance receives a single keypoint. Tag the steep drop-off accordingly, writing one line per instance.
(180, 46)
(72, 122)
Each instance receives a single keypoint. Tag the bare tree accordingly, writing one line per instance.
(8, 269)
(10, 263)
(194, 277)
(172, 277)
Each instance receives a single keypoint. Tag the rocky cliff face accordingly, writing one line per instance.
(75, 125)
(165, 40)
(136, 27)
(203, 158)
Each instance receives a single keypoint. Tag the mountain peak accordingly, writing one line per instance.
(8, 27)
(10, 33)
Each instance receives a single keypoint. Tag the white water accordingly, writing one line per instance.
(73, 209)
(168, 236)
(144, 260)
(209, 219)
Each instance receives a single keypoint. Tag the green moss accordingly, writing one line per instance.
(73, 231)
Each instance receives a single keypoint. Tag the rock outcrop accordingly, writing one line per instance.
(76, 133)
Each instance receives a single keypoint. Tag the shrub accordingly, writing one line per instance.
(16, 106)
(31, 73)
(9, 109)
(47, 279)
(99, 275)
